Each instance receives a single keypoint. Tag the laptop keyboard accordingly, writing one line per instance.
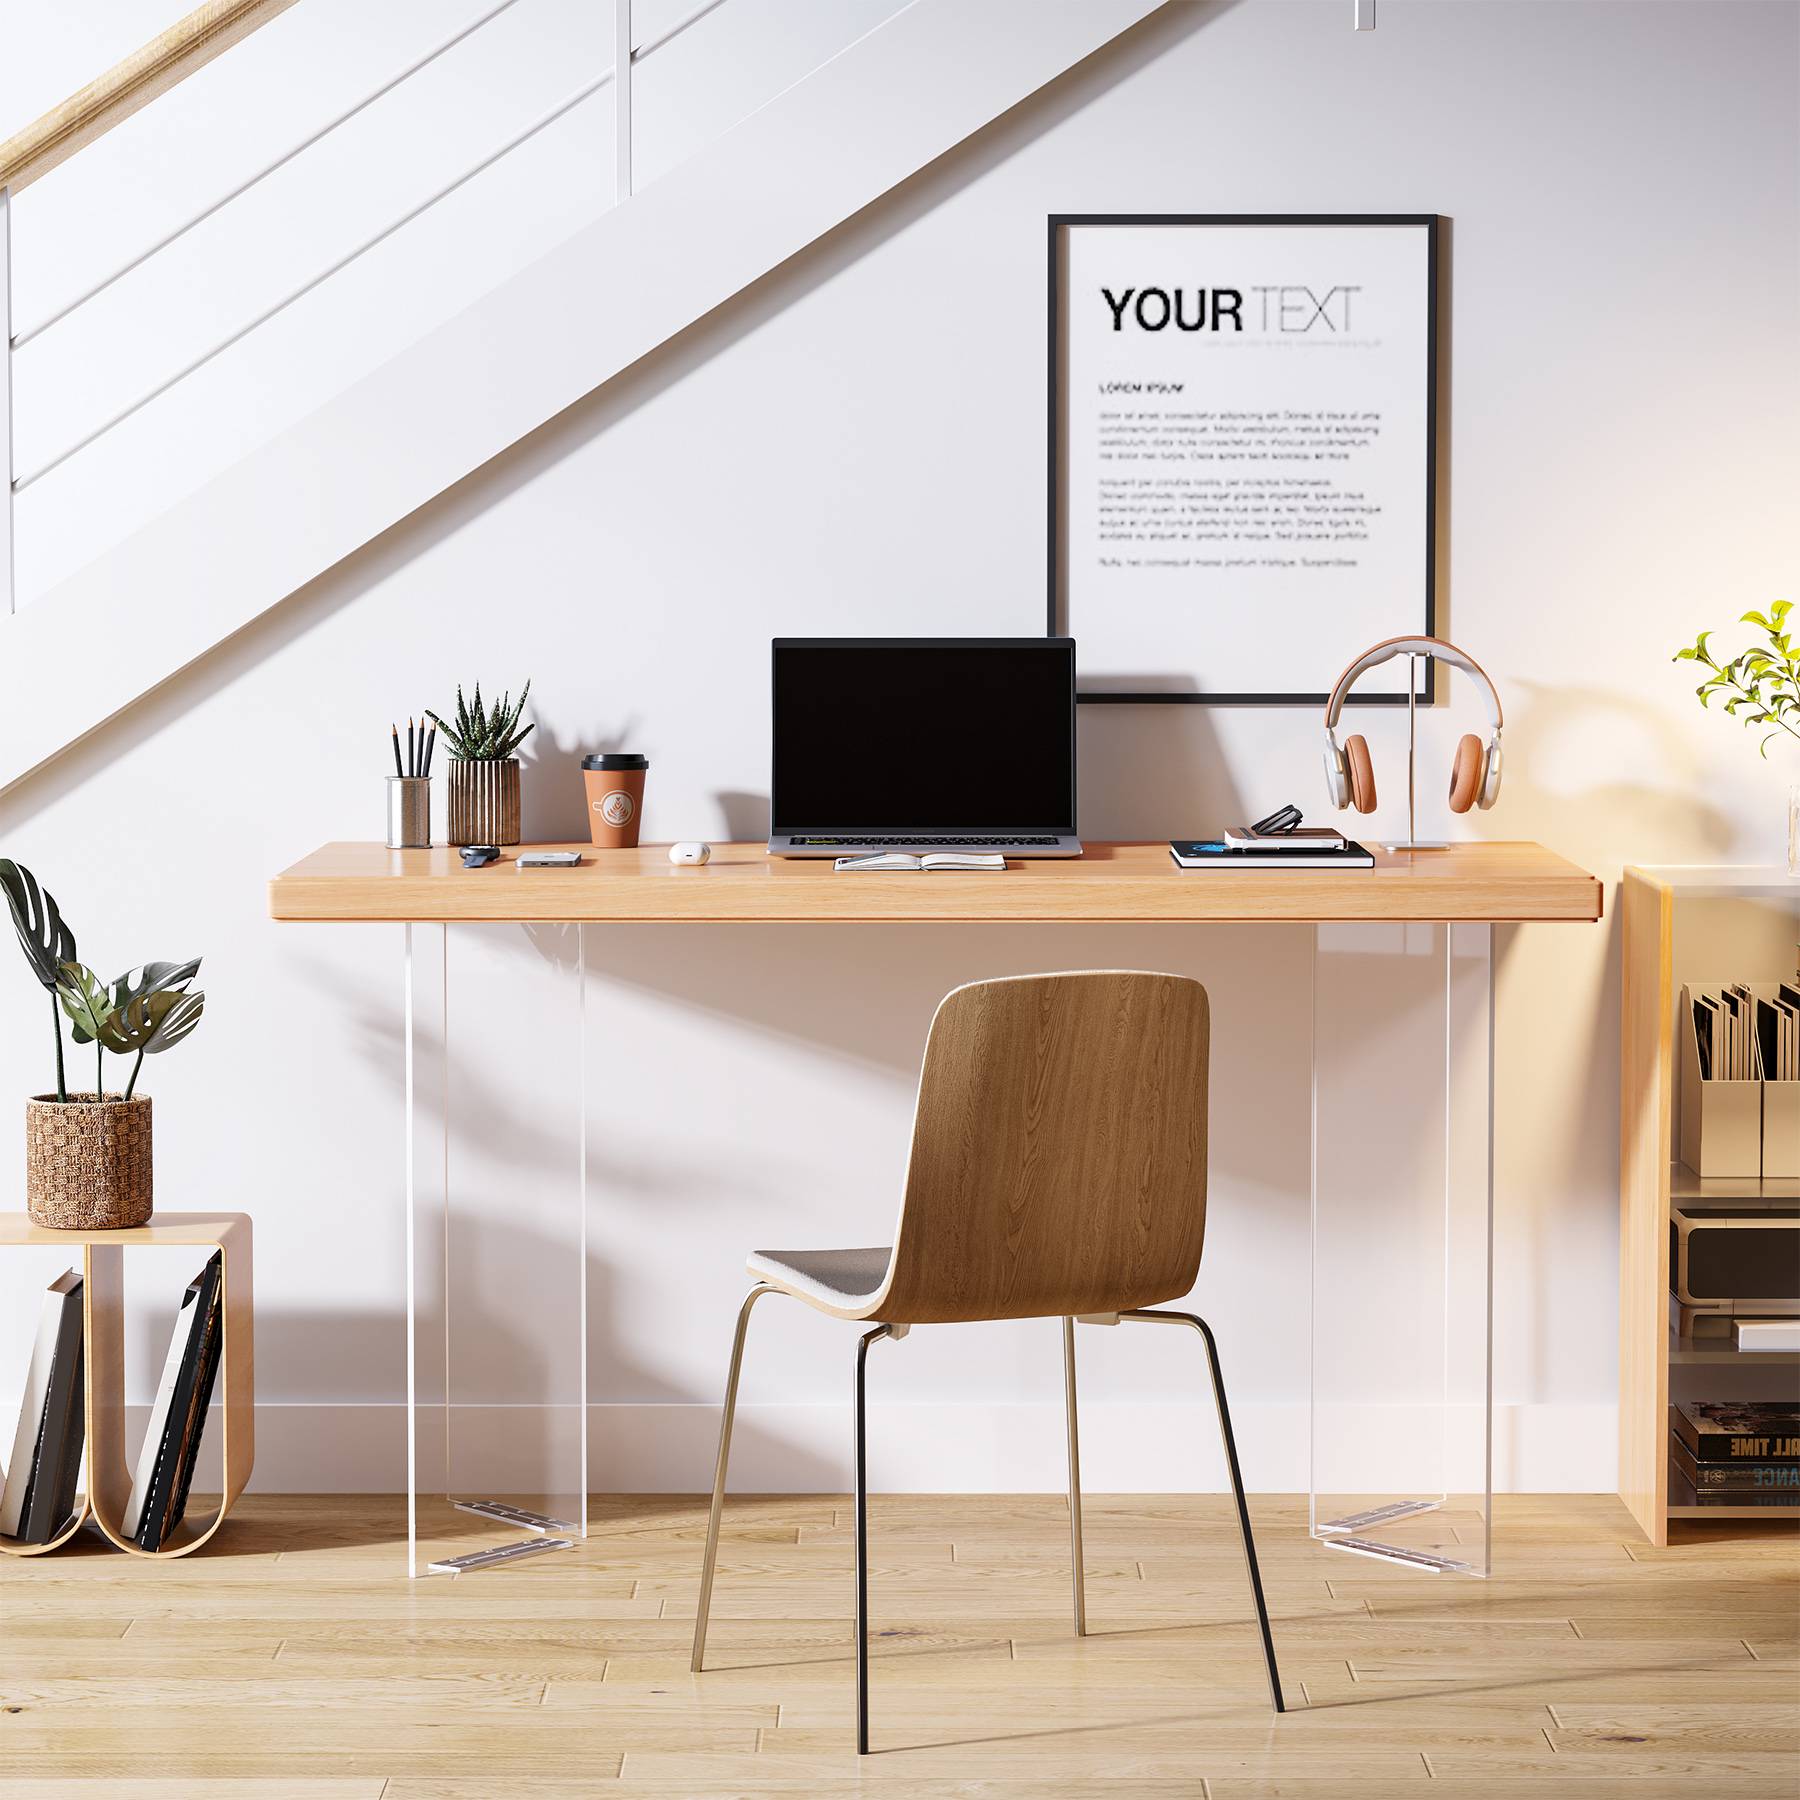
(908, 842)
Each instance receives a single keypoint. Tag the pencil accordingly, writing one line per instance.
(397, 768)
(412, 767)
(430, 745)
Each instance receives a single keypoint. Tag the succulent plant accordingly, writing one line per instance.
(484, 734)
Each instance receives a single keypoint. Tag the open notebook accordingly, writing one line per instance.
(938, 862)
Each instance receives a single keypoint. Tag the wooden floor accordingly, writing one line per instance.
(293, 1661)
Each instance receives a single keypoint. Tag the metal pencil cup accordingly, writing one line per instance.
(409, 812)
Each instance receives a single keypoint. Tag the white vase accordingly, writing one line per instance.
(1794, 831)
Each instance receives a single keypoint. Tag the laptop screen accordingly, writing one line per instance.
(923, 735)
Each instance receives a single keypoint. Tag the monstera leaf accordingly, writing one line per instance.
(48, 943)
(85, 999)
(153, 1020)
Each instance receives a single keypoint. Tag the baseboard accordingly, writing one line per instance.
(1126, 1447)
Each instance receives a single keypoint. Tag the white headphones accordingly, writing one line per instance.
(1475, 772)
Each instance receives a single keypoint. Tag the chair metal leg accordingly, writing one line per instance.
(1237, 1485)
(862, 1545)
(1077, 1562)
(719, 1467)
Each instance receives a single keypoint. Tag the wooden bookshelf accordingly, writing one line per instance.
(1680, 924)
(103, 1319)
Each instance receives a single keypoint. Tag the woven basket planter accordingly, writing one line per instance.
(87, 1162)
(484, 802)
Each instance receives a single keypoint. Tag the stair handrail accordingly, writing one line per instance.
(108, 100)
(195, 40)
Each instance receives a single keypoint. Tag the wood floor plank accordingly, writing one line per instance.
(295, 1660)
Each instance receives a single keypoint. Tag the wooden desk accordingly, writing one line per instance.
(1484, 883)
(1472, 886)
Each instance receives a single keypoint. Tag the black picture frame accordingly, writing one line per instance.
(1058, 619)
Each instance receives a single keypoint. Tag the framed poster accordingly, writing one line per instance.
(1242, 452)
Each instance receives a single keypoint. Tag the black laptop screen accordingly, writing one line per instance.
(923, 735)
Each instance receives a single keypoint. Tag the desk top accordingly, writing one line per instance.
(1496, 882)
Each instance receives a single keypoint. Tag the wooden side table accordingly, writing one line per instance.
(103, 1320)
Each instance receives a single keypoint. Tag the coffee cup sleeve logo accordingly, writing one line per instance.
(616, 808)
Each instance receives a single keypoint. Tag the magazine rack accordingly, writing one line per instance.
(103, 1320)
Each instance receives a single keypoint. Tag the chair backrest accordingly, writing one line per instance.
(1059, 1150)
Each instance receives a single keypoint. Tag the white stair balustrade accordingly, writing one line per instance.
(680, 241)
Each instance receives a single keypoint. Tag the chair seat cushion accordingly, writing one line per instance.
(839, 1280)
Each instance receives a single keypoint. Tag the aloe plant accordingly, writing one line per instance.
(1760, 685)
(141, 1013)
(484, 733)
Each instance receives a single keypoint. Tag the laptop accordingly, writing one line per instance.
(921, 745)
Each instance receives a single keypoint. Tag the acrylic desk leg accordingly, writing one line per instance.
(1446, 1260)
(469, 1473)
(425, 1069)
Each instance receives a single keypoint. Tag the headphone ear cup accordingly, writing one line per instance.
(1467, 773)
(1362, 774)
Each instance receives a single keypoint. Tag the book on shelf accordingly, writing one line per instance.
(1736, 1478)
(59, 1330)
(1739, 1431)
(165, 1463)
(56, 1467)
(1761, 1335)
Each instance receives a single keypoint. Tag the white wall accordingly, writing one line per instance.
(857, 446)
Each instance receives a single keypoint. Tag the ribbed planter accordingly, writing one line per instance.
(87, 1162)
(484, 802)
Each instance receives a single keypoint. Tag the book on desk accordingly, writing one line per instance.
(1217, 854)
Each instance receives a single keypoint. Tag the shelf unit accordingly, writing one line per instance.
(1679, 924)
(103, 1320)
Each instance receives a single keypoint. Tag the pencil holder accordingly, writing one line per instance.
(409, 812)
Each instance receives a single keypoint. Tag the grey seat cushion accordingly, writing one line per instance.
(841, 1278)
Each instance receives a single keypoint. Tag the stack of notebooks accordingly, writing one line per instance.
(1250, 847)
(37, 1490)
(165, 1465)
(37, 1495)
(1738, 1452)
(1742, 1037)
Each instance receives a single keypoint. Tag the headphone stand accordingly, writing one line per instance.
(1411, 840)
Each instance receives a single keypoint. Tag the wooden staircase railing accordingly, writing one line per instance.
(168, 58)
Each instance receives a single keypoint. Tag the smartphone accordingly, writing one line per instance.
(549, 859)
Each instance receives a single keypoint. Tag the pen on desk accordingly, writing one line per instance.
(397, 768)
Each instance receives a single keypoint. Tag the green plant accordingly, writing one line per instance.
(484, 734)
(47, 942)
(142, 1013)
(1761, 685)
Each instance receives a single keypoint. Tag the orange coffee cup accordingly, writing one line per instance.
(615, 797)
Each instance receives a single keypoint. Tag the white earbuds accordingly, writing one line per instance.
(690, 851)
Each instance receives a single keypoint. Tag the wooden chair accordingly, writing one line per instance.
(1058, 1169)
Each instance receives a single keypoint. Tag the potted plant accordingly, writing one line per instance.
(1760, 686)
(88, 1155)
(484, 771)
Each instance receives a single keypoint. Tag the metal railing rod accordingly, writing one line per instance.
(651, 45)
(6, 410)
(261, 175)
(343, 262)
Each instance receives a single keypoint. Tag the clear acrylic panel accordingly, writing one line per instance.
(1402, 1243)
(496, 1142)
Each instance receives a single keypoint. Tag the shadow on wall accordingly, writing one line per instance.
(990, 148)
(552, 798)
(1152, 772)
